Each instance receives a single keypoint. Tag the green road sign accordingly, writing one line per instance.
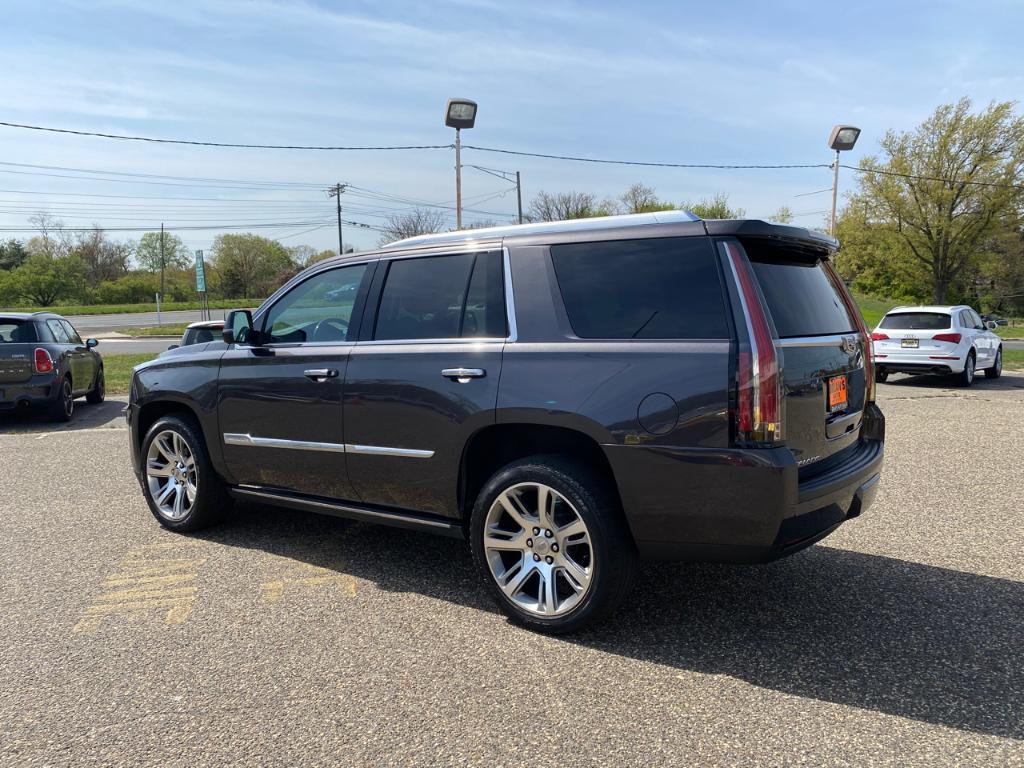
(200, 273)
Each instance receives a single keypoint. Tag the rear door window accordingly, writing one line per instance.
(73, 336)
(661, 288)
(59, 332)
(443, 297)
(801, 298)
(916, 321)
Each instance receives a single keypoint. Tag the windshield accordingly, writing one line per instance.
(916, 321)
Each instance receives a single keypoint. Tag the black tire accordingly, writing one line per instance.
(997, 367)
(211, 501)
(613, 558)
(881, 375)
(966, 377)
(98, 393)
(63, 406)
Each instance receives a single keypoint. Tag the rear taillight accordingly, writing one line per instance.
(952, 338)
(866, 338)
(43, 361)
(876, 336)
(758, 379)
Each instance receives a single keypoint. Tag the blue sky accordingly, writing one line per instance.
(677, 82)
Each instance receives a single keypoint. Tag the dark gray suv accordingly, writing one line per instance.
(570, 397)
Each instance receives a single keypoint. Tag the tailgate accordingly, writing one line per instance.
(824, 384)
(15, 363)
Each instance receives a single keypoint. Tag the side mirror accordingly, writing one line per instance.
(991, 324)
(173, 346)
(90, 343)
(238, 328)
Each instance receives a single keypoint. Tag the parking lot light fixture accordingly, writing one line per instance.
(459, 114)
(842, 139)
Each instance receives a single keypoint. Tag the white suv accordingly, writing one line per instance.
(941, 340)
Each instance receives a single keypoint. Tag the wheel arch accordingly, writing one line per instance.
(492, 447)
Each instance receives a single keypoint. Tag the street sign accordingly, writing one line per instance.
(200, 273)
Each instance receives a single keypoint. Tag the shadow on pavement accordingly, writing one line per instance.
(86, 417)
(901, 638)
(1009, 380)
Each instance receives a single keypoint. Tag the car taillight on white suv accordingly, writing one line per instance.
(758, 416)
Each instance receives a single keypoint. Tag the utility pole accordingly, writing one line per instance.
(519, 197)
(458, 179)
(162, 262)
(335, 192)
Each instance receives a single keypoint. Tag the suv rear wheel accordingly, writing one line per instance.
(549, 539)
(63, 406)
(180, 486)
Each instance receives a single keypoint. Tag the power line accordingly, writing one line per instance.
(290, 224)
(218, 143)
(917, 177)
(202, 179)
(604, 161)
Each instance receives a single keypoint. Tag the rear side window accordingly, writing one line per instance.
(802, 299)
(16, 331)
(915, 321)
(664, 288)
(443, 297)
(60, 334)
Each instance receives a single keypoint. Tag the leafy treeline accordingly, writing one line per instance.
(938, 214)
(90, 268)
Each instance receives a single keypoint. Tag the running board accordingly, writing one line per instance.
(410, 520)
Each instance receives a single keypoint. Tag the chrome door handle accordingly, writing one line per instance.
(462, 375)
(319, 374)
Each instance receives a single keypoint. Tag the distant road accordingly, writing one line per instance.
(111, 347)
(93, 324)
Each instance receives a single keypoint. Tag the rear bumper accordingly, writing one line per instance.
(941, 363)
(39, 390)
(740, 505)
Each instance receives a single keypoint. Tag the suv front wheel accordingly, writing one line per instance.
(180, 486)
(550, 541)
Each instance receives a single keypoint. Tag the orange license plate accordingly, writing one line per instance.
(837, 393)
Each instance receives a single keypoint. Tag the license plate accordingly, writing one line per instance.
(837, 393)
(909, 343)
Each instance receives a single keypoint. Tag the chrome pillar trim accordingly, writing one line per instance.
(377, 450)
(233, 438)
(510, 301)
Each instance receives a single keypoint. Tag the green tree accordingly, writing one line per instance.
(12, 254)
(176, 253)
(102, 259)
(42, 280)
(943, 189)
(783, 216)
(716, 207)
(248, 265)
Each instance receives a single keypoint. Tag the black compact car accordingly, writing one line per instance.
(571, 397)
(44, 362)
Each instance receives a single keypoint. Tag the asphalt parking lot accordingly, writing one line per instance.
(283, 638)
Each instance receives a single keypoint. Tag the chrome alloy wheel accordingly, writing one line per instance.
(538, 549)
(171, 475)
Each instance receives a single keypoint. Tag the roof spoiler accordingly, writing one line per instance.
(782, 233)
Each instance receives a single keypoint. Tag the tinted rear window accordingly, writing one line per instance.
(916, 321)
(664, 288)
(15, 331)
(801, 298)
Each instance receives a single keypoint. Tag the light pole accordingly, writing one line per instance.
(842, 138)
(459, 114)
